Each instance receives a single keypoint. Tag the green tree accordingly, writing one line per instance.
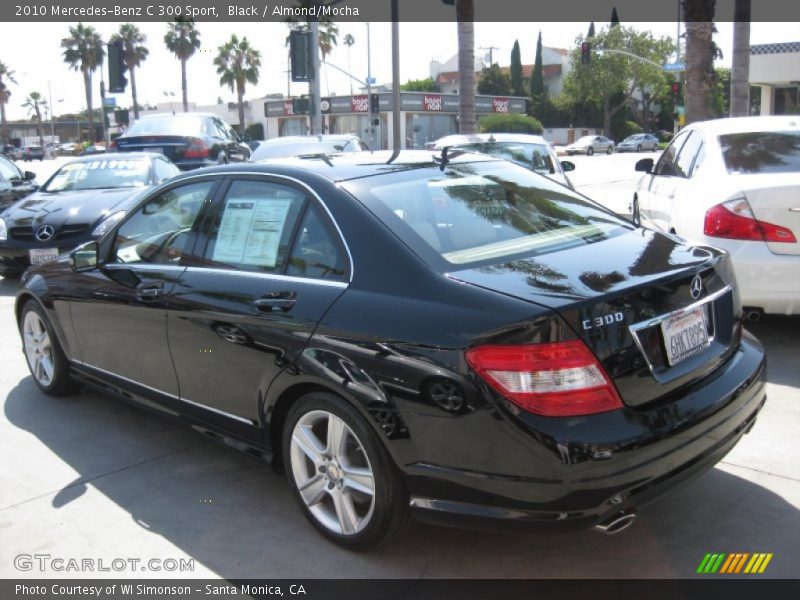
(614, 18)
(516, 71)
(493, 81)
(6, 75)
(610, 80)
(348, 41)
(134, 53)
(537, 75)
(590, 34)
(83, 51)
(183, 40)
(35, 104)
(700, 53)
(420, 85)
(237, 64)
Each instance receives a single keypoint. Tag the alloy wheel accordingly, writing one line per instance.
(38, 348)
(332, 472)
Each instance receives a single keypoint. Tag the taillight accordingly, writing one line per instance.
(557, 379)
(735, 221)
(197, 149)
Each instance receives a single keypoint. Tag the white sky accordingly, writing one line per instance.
(33, 51)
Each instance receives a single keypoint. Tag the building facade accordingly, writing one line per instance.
(775, 69)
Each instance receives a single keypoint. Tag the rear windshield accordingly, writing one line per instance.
(474, 214)
(533, 156)
(100, 174)
(761, 152)
(265, 151)
(168, 125)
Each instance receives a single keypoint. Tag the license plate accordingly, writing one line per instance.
(685, 335)
(42, 255)
(156, 149)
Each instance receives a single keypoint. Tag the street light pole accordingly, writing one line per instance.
(316, 117)
(395, 79)
(52, 118)
(369, 94)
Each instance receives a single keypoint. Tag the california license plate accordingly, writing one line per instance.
(685, 335)
(156, 149)
(42, 255)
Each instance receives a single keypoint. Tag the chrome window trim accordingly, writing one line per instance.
(635, 328)
(272, 276)
(173, 396)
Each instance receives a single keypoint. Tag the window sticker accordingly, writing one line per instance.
(250, 231)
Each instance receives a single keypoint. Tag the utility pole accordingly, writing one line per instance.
(316, 116)
(52, 118)
(491, 50)
(395, 78)
(369, 94)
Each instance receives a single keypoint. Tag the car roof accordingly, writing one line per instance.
(477, 138)
(748, 124)
(344, 166)
(179, 114)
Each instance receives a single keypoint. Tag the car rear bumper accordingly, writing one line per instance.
(658, 448)
(195, 163)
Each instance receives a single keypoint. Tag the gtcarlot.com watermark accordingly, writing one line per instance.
(47, 563)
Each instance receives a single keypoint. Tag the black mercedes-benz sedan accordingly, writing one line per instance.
(79, 202)
(454, 338)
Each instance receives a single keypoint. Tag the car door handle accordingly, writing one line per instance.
(272, 301)
(150, 291)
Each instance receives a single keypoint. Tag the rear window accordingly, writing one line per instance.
(474, 214)
(168, 125)
(266, 151)
(761, 152)
(533, 156)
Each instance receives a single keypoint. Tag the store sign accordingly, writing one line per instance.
(288, 109)
(500, 104)
(432, 102)
(359, 103)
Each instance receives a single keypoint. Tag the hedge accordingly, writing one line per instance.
(511, 123)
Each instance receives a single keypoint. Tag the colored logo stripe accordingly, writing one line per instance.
(721, 562)
(711, 563)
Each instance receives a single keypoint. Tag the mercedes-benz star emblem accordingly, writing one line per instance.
(45, 233)
(696, 288)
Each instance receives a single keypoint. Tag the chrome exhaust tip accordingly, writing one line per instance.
(617, 523)
(753, 315)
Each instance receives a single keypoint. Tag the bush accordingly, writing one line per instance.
(255, 131)
(511, 124)
(625, 129)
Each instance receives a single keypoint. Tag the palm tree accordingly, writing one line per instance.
(237, 63)
(740, 67)
(465, 15)
(35, 103)
(83, 51)
(8, 75)
(328, 37)
(133, 53)
(183, 40)
(700, 52)
(348, 41)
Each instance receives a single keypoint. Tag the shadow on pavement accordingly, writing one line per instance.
(8, 287)
(779, 334)
(233, 515)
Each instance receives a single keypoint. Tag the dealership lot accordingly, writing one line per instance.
(88, 477)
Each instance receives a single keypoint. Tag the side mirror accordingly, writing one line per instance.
(567, 166)
(84, 257)
(645, 165)
(30, 175)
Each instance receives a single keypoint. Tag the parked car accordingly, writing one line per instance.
(458, 338)
(530, 151)
(590, 144)
(296, 145)
(190, 140)
(32, 153)
(734, 184)
(13, 152)
(68, 149)
(79, 202)
(14, 184)
(638, 142)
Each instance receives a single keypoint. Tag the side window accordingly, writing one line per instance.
(701, 154)
(314, 253)
(8, 170)
(683, 166)
(165, 170)
(254, 227)
(666, 164)
(159, 232)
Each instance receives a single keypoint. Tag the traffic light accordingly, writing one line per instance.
(299, 45)
(586, 53)
(116, 69)
(676, 91)
(374, 103)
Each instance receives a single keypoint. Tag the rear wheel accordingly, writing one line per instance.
(655, 147)
(589, 151)
(46, 359)
(342, 477)
(610, 150)
(639, 148)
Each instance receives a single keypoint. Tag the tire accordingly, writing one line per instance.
(357, 518)
(589, 151)
(655, 147)
(639, 148)
(610, 150)
(42, 348)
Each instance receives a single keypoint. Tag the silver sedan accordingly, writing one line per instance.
(589, 144)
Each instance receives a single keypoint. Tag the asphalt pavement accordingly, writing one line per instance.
(86, 476)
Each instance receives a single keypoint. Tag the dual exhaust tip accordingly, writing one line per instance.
(616, 523)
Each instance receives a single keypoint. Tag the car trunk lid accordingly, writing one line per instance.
(775, 198)
(172, 146)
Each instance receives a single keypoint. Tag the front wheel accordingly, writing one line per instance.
(589, 151)
(610, 150)
(639, 148)
(46, 359)
(342, 477)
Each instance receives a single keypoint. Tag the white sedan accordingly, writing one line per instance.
(734, 184)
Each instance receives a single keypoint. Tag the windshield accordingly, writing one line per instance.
(167, 124)
(265, 151)
(761, 152)
(532, 156)
(585, 140)
(633, 138)
(99, 174)
(480, 213)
